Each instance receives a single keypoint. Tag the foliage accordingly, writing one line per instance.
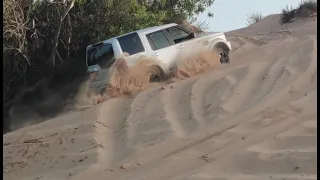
(254, 18)
(178, 9)
(46, 39)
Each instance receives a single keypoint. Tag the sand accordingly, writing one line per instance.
(254, 118)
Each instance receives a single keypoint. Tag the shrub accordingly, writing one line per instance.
(287, 15)
(254, 18)
(202, 25)
(308, 5)
(305, 9)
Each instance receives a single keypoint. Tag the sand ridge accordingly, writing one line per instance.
(254, 118)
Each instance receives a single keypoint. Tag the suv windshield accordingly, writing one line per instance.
(101, 54)
(131, 44)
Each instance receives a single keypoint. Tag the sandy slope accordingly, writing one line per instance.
(252, 119)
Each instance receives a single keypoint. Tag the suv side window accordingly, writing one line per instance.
(177, 34)
(158, 40)
(101, 54)
(131, 43)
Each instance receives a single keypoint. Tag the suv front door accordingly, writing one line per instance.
(182, 40)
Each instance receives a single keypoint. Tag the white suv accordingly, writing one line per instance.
(166, 43)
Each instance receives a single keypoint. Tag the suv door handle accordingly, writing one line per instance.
(181, 47)
(155, 54)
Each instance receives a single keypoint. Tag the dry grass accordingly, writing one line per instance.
(254, 18)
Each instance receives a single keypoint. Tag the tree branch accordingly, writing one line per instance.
(56, 38)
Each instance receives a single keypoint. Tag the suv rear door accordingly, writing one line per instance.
(162, 48)
(131, 44)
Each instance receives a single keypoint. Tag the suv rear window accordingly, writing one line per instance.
(131, 43)
(101, 54)
(158, 40)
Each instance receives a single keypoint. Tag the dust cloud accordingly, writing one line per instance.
(124, 80)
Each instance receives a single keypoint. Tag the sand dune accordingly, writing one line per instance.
(254, 118)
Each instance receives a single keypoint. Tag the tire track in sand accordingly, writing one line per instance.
(176, 104)
(283, 125)
(206, 103)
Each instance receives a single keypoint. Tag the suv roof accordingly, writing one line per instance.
(145, 30)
